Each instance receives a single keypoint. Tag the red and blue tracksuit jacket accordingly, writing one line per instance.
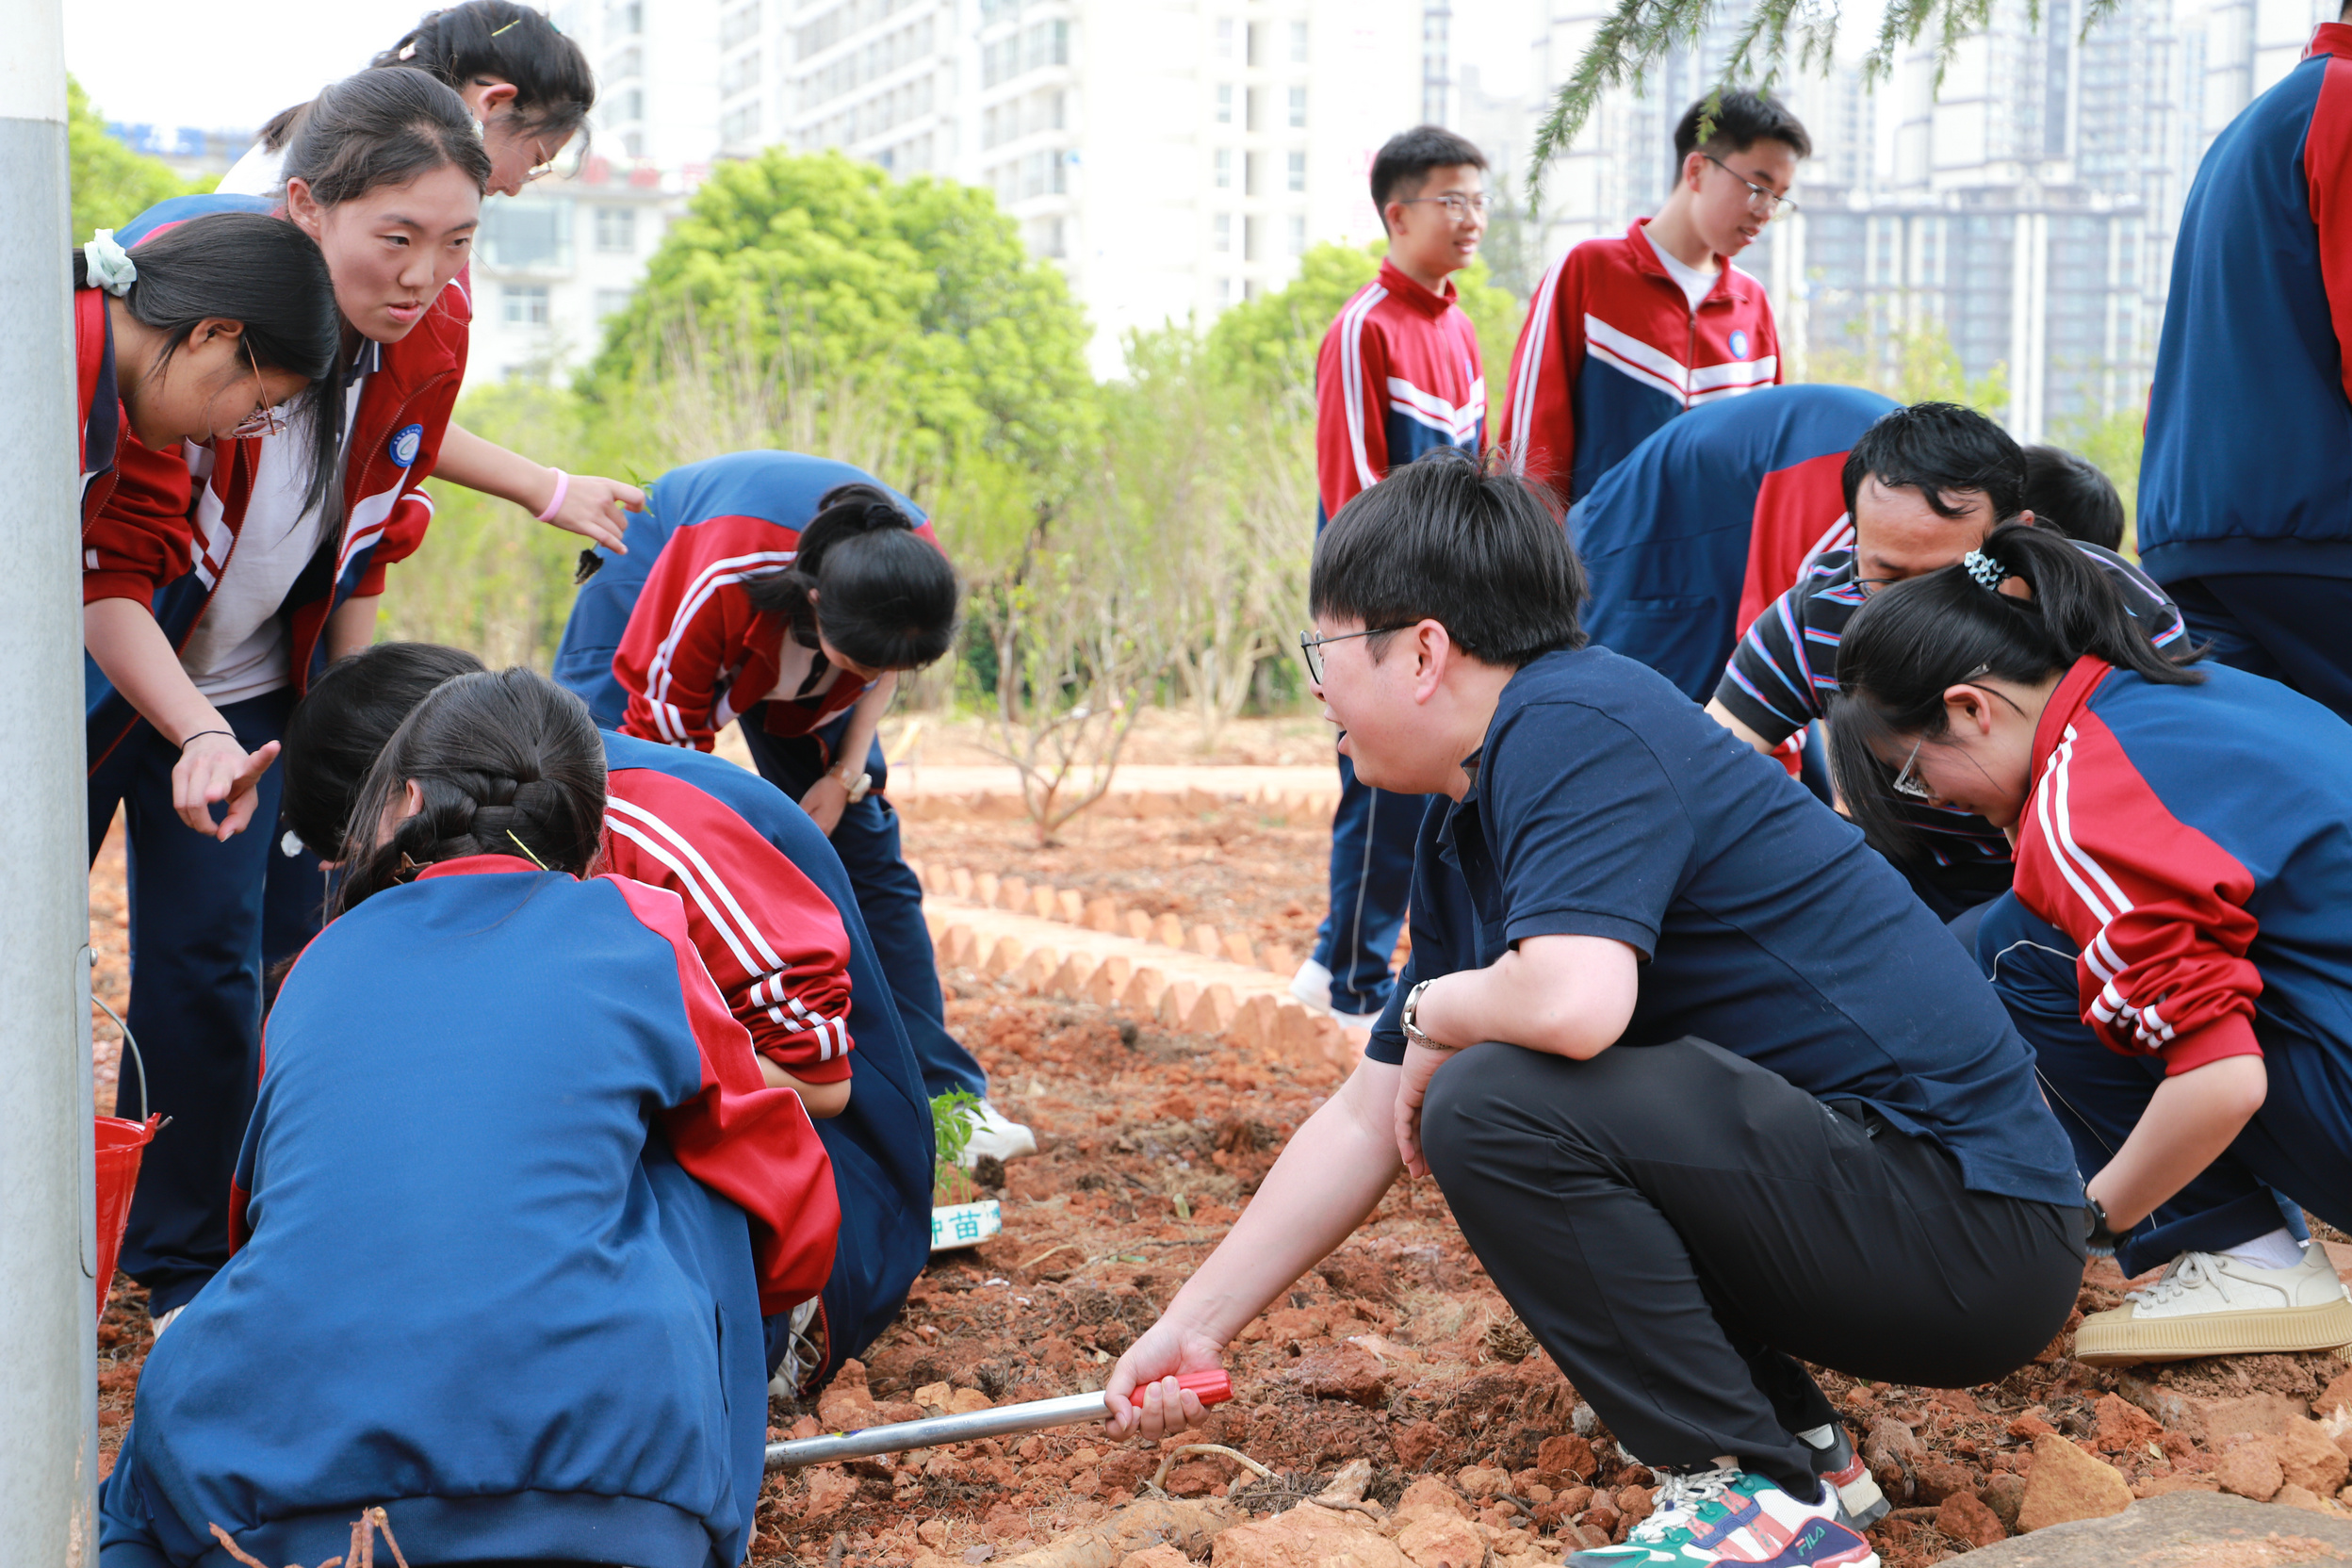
(1612, 350)
(753, 836)
(663, 640)
(1398, 376)
(1713, 519)
(511, 1201)
(103, 420)
(166, 535)
(2248, 459)
(2194, 843)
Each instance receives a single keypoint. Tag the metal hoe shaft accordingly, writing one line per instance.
(1213, 1387)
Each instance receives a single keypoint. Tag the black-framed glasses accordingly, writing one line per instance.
(1310, 645)
(1762, 199)
(1458, 207)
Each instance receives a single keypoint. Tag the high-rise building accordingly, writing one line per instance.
(1173, 156)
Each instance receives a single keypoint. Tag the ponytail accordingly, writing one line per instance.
(269, 277)
(554, 88)
(886, 597)
(1918, 638)
(508, 763)
(382, 127)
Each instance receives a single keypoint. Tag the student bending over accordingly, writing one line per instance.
(2175, 946)
(1708, 1091)
(489, 1201)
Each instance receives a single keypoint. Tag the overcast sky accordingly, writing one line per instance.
(234, 66)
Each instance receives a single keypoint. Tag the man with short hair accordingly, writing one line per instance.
(1398, 376)
(1627, 331)
(1923, 487)
(2245, 484)
(1706, 1089)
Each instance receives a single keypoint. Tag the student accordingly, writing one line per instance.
(2174, 947)
(217, 330)
(512, 1197)
(1924, 486)
(1711, 519)
(1706, 1089)
(530, 90)
(2248, 459)
(713, 617)
(1624, 333)
(204, 618)
(1398, 376)
(770, 911)
(2069, 493)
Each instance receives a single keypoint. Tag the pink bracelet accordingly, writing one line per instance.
(555, 503)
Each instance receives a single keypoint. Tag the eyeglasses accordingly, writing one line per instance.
(563, 163)
(264, 420)
(1311, 646)
(1904, 783)
(1762, 200)
(1457, 205)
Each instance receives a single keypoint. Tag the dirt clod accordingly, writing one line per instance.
(2068, 1484)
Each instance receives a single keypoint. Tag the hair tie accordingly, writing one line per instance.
(1986, 572)
(407, 52)
(108, 265)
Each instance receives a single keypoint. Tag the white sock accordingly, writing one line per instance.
(1818, 1437)
(2279, 1250)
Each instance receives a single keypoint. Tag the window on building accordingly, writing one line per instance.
(1045, 237)
(633, 104)
(522, 233)
(1221, 232)
(1297, 43)
(1224, 166)
(739, 25)
(611, 302)
(1297, 171)
(740, 73)
(625, 20)
(633, 143)
(1224, 292)
(617, 229)
(625, 62)
(1224, 103)
(1298, 233)
(1298, 107)
(737, 125)
(1224, 37)
(525, 305)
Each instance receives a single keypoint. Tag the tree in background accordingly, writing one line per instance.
(111, 184)
(1917, 365)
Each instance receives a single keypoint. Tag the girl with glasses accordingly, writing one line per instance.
(2174, 946)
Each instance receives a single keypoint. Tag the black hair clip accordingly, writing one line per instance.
(590, 564)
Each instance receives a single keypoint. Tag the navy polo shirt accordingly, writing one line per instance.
(1607, 804)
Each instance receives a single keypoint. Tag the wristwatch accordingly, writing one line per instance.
(859, 787)
(1411, 1019)
(2102, 1240)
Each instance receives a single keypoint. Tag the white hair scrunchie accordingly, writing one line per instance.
(1987, 572)
(108, 265)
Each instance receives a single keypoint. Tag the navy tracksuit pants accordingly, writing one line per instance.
(2292, 627)
(2297, 1151)
(196, 910)
(889, 895)
(1373, 834)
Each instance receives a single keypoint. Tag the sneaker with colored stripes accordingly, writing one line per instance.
(1729, 1516)
(1834, 1462)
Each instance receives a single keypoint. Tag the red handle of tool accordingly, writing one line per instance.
(1214, 1386)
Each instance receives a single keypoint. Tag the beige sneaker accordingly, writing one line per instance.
(2213, 1304)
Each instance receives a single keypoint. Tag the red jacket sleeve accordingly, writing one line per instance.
(1539, 422)
(772, 940)
(1350, 408)
(145, 535)
(750, 1143)
(2326, 168)
(694, 632)
(2157, 907)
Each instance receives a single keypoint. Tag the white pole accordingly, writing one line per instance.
(48, 1337)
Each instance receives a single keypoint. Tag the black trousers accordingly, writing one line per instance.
(1678, 1227)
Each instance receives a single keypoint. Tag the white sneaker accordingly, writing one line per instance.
(2213, 1304)
(802, 1355)
(1312, 985)
(993, 1133)
(165, 1321)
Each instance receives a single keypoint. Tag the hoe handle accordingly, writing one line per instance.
(1214, 1387)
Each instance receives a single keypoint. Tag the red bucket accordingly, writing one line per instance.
(120, 1144)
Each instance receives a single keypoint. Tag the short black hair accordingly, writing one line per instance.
(1468, 544)
(1407, 157)
(1740, 120)
(1937, 448)
(2069, 493)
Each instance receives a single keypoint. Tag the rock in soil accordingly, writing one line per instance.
(2187, 1529)
(2068, 1484)
(2249, 1466)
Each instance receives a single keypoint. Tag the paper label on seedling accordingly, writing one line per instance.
(965, 1224)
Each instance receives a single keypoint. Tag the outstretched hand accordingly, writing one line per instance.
(1151, 1364)
(596, 508)
(214, 768)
